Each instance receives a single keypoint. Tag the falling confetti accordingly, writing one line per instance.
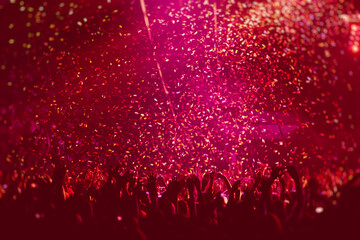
(174, 85)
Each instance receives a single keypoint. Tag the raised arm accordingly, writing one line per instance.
(300, 203)
(225, 180)
(152, 189)
(190, 184)
(266, 188)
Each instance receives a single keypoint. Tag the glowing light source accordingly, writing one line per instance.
(355, 48)
(354, 28)
(319, 210)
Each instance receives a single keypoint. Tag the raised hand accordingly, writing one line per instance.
(292, 172)
(225, 179)
(234, 192)
(196, 182)
(275, 172)
(300, 206)
(236, 185)
(152, 189)
(59, 174)
(258, 179)
(151, 182)
(190, 184)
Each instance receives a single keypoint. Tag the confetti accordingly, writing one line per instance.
(158, 86)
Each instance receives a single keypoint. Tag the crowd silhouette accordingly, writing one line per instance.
(277, 203)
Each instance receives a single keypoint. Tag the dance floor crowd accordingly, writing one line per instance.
(281, 202)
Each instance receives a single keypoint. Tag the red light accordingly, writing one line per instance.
(355, 48)
(354, 28)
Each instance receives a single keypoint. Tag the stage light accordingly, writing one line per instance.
(355, 48)
(354, 28)
(319, 210)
